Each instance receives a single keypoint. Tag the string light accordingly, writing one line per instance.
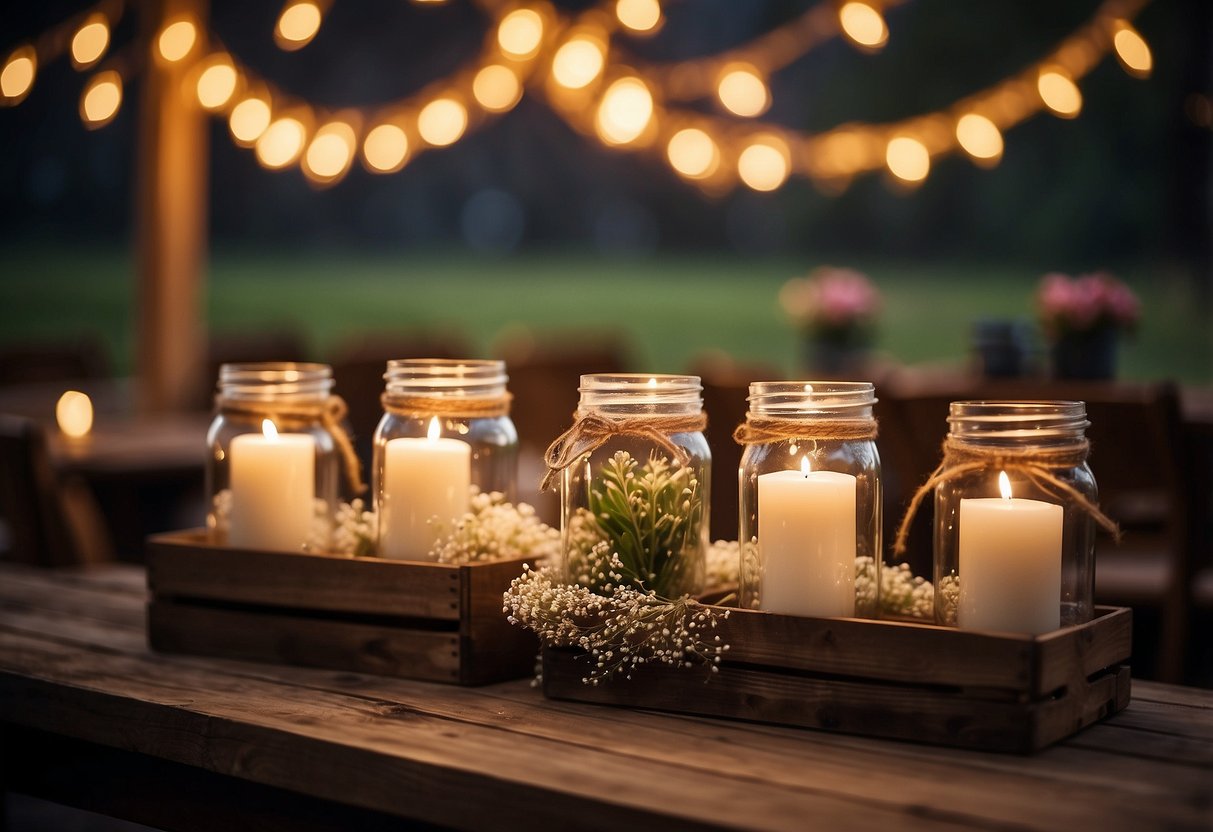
(385, 149)
(297, 25)
(330, 152)
(626, 110)
(520, 33)
(578, 62)
(17, 77)
(863, 24)
(693, 154)
(90, 41)
(217, 82)
(177, 40)
(908, 159)
(281, 143)
(980, 138)
(496, 88)
(249, 120)
(742, 91)
(1059, 93)
(101, 99)
(764, 164)
(1132, 50)
(638, 15)
(442, 122)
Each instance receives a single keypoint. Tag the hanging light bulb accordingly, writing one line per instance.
(90, 41)
(578, 62)
(742, 91)
(1132, 50)
(442, 122)
(281, 143)
(330, 152)
(625, 112)
(177, 40)
(863, 24)
(17, 77)
(1059, 93)
(496, 88)
(249, 119)
(385, 149)
(980, 138)
(217, 82)
(520, 33)
(641, 16)
(297, 24)
(765, 163)
(693, 154)
(101, 99)
(908, 159)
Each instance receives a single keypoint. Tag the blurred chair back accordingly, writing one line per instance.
(61, 360)
(50, 522)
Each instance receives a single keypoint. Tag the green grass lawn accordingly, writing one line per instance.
(671, 307)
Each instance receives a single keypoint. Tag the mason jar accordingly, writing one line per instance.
(810, 499)
(634, 485)
(1014, 517)
(272, 464)
(445, 428)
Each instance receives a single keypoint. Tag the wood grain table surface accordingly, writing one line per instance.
(91, 717)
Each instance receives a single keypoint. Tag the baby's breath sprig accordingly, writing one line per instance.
(493, 529)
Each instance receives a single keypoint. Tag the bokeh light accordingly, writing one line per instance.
(1132, 50)
(330, 152)
(693, 154)
(297, 25)
(979, 137)
(101, 99)
(281, 143)
(626, 110)
(1059, 93)
(177, 40)
(743, 92)
(386, 148)
(764, 164)
(442, 122)
(17, 77)
(496, 88)
(520, 33)
(217, 82)
(908, 159)
(74, 414)
(249, 119)
(863, 24)
(90, 41)
(578, 62)
(638, 15)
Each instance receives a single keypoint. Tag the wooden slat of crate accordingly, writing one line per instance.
(903, 681)
(435, 622)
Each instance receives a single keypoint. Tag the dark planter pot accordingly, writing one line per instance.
(1086, 355)
(836, 354)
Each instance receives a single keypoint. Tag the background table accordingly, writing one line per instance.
(92, 718)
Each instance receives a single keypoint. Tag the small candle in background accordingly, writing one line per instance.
(74, 414)
(273, 484)
(1010, 563)
(806, 542)
(425, 488)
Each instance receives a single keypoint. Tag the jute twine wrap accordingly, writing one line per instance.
(448, 407)
(758, 429)
(590, 431)
(329, 413)
(1037, 464)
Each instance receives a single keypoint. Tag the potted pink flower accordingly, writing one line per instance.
(1083, 318)
(836, 309)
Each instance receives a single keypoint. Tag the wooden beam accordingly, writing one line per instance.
(171, 221)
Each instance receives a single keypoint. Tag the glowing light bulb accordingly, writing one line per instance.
(908, 159)
(249, 119)
(442, 122)
(281, 143)
(638, 15)
(743, 92)
(979, 137)
(1132, 50)
(863, 24)
(177, 40)
(764, 164)
(101, 100)
(297, 25)
(217, 83)
(330, 152)
(74, 413)
(90, 41)
(693, 153)
(626, 110)
(520, 33)
(385, 148)
(1059, 93)
(577, 63)
(496, 88)
(17, 77)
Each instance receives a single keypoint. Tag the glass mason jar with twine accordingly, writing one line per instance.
(276, 447)
(634, 473)
(446, 427)
(810, 499)
(1015, 511)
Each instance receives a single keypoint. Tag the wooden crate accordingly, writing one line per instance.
(428, 621)
(906, 681)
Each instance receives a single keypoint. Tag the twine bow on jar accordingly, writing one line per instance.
(758, 429)
(591, 431)
(1036, 464)
(330, 414)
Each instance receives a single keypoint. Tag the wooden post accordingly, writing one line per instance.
(171, 220)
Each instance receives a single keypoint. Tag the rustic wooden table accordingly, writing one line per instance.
(91, 717)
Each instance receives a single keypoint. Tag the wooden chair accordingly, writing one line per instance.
(51, 521)
(1136, 440)
(62, 360)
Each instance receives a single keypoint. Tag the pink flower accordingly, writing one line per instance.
(830, 298)
(1085, 303)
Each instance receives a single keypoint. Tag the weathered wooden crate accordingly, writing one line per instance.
(938, 685)
(428, 621)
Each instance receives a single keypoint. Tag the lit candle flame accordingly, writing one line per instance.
(652, 382)
(434, 431)
(1004, 485)
(804, 465)
(268, 428)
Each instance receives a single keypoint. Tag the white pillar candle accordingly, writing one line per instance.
(806, 542)
(425, 488)
(1010, 564)
(273, 484)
